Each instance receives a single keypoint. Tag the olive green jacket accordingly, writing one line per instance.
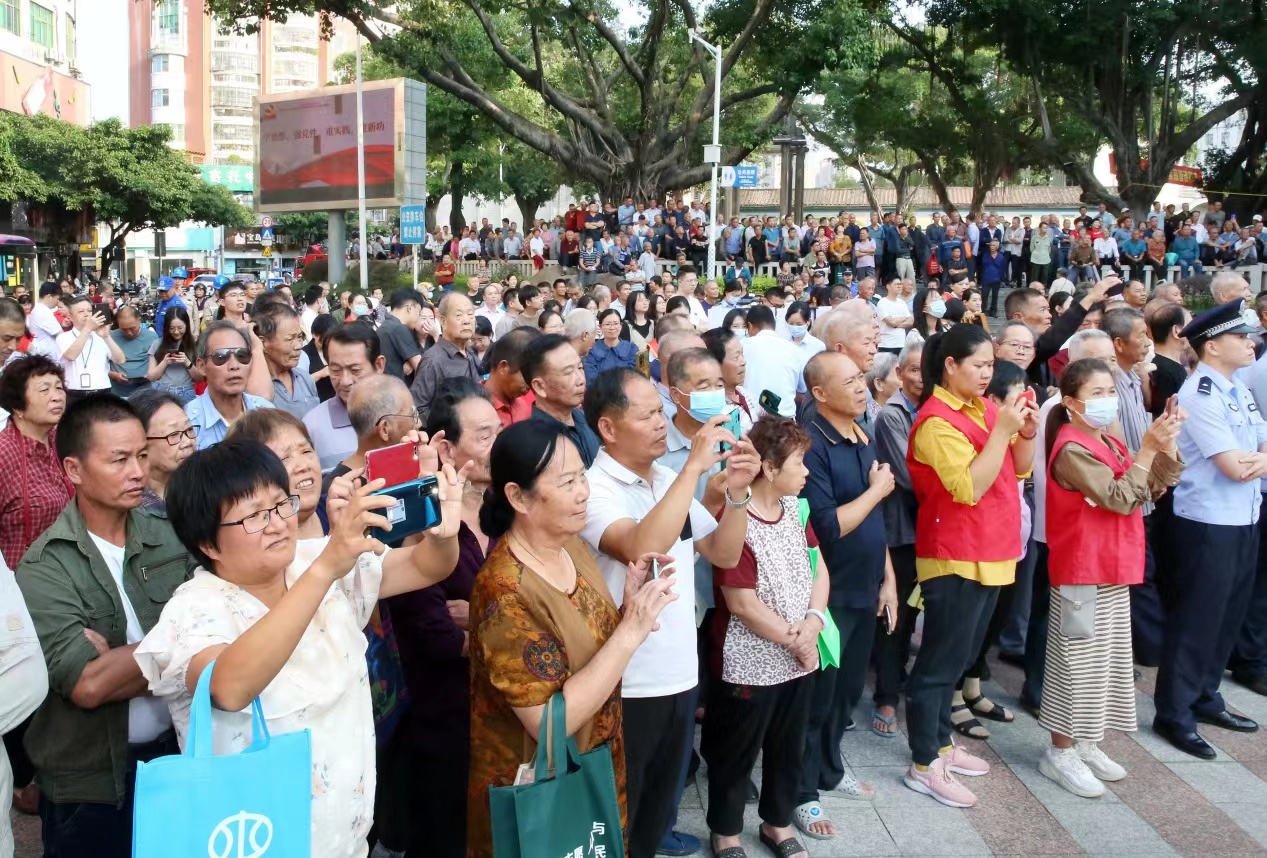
(81, 755)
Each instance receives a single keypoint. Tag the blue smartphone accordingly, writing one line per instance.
(417, 509)
(734, 427)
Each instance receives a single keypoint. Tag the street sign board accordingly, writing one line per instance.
(413, 224)
(266, 221)
(267, 252)
(745, 177)
(266, 235)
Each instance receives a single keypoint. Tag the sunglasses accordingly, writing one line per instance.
(220, 357)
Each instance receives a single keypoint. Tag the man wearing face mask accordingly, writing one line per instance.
(734, 293)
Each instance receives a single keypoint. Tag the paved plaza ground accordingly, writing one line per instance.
(1170, 803)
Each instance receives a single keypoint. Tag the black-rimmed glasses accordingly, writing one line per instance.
(173, 438)
(257, 521)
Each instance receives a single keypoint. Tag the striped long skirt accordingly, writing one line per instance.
(1090, 684)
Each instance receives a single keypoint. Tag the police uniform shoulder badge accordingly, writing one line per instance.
(1205, 385)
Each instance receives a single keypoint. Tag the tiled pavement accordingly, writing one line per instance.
(1170, 804)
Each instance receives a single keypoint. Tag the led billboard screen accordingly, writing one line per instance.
(307, 147)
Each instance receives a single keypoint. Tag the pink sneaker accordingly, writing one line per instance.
(961, 762)
(940, 784)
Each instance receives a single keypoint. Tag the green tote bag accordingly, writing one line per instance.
(829, 637)
(570, 810)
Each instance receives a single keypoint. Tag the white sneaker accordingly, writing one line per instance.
(1098, 762)
(1066, 768)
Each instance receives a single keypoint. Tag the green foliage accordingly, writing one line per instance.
(627, 109)
(317, 270)
(760, 284)
(130, 177)
(383, 275)
(306, 228)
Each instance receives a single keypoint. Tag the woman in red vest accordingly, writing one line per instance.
(965, 457)
(1094, 494)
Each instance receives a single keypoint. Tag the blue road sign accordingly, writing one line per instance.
(745, 177)
(413, 224)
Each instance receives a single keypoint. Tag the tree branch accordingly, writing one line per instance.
(617, 44)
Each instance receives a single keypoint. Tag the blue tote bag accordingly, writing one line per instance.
(256, 804)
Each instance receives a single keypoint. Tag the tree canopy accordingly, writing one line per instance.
(130, 177)
(624, 109)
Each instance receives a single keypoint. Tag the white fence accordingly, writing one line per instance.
(1255, 274)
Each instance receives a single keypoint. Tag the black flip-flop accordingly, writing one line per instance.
(785, 848)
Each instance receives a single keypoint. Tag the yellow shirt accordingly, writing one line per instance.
(948, 451)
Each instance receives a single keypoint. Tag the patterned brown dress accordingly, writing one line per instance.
(518, 660)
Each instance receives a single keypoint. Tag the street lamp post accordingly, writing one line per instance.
(712, 153)
(360, 171)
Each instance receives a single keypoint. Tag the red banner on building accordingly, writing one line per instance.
(1179, 174)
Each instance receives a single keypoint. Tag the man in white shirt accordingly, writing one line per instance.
(774, 364)
(45, 329)
(491, 307)
(86, 351)
(895, 318)
(23, 685)
(687, 286)
(637, 507)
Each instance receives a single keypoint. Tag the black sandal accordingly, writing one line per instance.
(968, 725)
(785, 848)
(997, 713)
(728, 852)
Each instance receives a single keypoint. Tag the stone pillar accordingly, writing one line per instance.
(337, 241)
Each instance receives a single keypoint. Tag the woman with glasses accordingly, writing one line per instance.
(171, 440)
(172, 357)
(280, 609)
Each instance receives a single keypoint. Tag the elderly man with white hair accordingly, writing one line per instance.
(580, 327)
(1227, 286)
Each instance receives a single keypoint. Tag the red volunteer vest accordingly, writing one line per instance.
(988, 531)
(1089, 544)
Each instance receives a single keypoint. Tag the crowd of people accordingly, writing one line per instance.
(632, 241)
(673, 501)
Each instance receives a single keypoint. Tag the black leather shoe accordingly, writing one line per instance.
(1188, 741)
(1230, 721)
(1256, 683)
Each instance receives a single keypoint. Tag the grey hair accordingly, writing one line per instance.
(579, 322)
(841, 326)
(372, 399)
(1079, 342)
(1014, 323)
(885, 363)
(1229, 281)
(1117, 323)
(602, 293)
(268, 320)
(908, 350)
(200, 351)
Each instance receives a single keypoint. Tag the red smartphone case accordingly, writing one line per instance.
(396, 464)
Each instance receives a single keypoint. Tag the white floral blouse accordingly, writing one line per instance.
(323, 687)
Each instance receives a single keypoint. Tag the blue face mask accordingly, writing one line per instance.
(1100, 413)
(798, 331)
(707, 404)
(360, 310)
(937, 309)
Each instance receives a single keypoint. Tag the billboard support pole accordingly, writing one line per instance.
(337, 245)
(415, 268)
(360, 170)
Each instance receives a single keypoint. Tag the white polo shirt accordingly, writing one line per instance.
(91, 369)
(774, 364)
(666, 663)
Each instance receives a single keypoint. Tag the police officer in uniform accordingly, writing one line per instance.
(1224, 443)
(1248, 663)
